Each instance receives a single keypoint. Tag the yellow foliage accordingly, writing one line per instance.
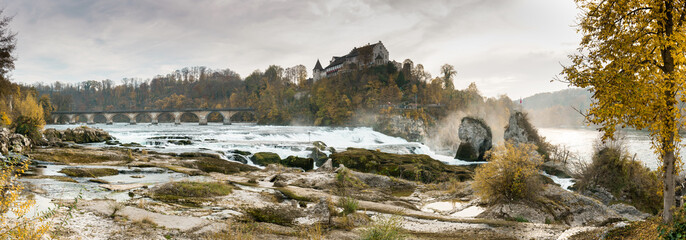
(14, 221)
(4, 119)
(29, 107)
(631, 58)
(511, 174)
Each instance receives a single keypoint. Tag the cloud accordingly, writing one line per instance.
(505, 46)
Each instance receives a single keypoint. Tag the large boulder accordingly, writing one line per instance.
(77, 135)
(519, 130)
(12, 142)
(265, 158)
(475, 139)
(293, 161)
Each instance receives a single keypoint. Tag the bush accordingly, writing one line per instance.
(29, 127)
(15, 222)
(512, 174)
(385, 229)
(676, 230)
(624, 177)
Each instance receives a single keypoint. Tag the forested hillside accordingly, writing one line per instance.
(281, 96)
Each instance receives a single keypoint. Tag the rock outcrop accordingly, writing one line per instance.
(413, 167)
(399, 126)
(559, 206)
(77, 135)
(475, 139)
(520, 130)
(12, 142)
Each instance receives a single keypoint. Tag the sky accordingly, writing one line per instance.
(512, 47)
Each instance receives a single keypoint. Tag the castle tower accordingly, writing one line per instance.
(318, 71)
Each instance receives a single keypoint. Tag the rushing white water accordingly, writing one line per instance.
(294, 140)
(282, 140)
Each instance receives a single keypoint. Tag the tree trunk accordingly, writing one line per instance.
(668, 189)
(669, 119)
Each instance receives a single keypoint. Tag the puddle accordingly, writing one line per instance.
(441, 207)
(469, 212)
(89, 190)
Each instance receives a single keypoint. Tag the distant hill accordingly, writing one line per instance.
(556, 109)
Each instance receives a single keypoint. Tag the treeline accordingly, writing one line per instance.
(280, 96)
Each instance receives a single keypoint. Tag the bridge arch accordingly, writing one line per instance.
(99, 118)
(188, 117)
(246, 116)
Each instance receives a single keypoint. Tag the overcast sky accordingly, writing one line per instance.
(511, 47)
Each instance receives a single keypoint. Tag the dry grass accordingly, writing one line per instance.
(643, 230)
(89, 172)
(190, 193)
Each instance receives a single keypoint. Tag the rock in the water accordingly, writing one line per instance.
(239, 158)
(78, 135)
(318, 156)
(413, 167)
(9, 142)
(519, 130)
(265, 158)
(476, 139)
(293, 161)
(236, 151)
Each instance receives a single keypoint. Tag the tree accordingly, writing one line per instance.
(449, 73)
(631, 58)
(8, 41)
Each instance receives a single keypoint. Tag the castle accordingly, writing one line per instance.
(369, 55)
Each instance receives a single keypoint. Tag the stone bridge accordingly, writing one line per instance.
(202, 114)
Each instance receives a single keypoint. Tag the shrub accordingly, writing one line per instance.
(22, 225)
(29, 127)
(348, 204)
(5, 119)
(676, 230)
(624, 177)
(385, 229)
(512, 174)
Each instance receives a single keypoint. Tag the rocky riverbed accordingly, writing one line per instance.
(134, 201)
(120, 192)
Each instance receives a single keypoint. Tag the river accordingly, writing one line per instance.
(294, 140)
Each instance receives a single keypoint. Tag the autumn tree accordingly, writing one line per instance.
(449, 73)
(631, 57)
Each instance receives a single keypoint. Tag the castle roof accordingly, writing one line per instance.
(353, 53)
(318, 66)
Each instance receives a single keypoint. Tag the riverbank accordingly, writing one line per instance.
(276, 202)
